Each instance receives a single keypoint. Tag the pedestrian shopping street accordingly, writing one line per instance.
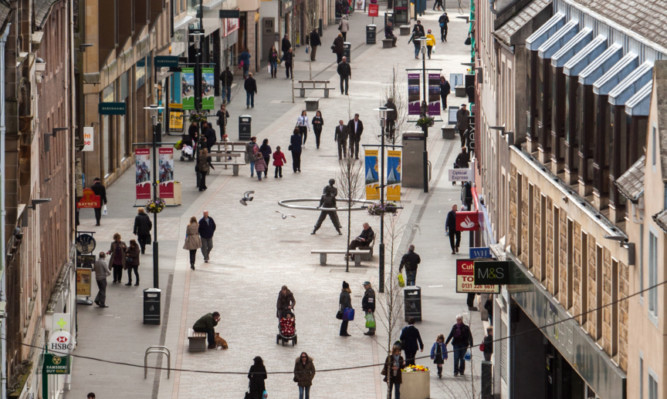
(256, 251)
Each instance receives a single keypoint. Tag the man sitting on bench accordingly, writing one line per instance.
(206, 324)
(389, 33)
(364, 239)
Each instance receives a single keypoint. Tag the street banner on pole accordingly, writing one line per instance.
(414, 93)
(393, 175)
(373, 10)
(166, 165)
(434, 94)
(465, 279)
(372, 176)
(188, 88)
(142, 162)
(208, 88)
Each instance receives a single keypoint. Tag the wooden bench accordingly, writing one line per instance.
(313, 85)
(357, 254)
(405, 30)
(387, 43)
(196, 341)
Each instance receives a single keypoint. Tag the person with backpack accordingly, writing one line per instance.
(461, 340)
(443, 20)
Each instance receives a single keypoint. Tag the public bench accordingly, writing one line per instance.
(405, 30)
(357, 254)
(313, 85)
(196, 341)
(387, 43)
(228, 153)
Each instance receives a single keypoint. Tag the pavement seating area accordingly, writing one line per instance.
(313, 85)
(357, 254)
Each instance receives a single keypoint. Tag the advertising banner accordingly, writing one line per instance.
(414, 93)
(188, 88)
(88, 139)
(208, 88)
(460, 174)
(176, 117)
(434, 94)
(372, 176)
(142, 162)
(83, 280)
(393, 175)
(373, 10)
(166, 176)
(466, 221)
(89, 199)
(465, 279)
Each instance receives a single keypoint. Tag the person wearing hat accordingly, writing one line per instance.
(344, 301)
(368, 304)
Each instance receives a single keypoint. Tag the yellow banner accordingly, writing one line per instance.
(176, 116)
(83, 279)
(371, 175)
(393, 175)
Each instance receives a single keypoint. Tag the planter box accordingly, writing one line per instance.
(177, 196)
(416, 385)
(448, 132)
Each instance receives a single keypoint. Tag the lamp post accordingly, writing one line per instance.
(383, 117)
(199, 34)
(156, 140)
(424, 113)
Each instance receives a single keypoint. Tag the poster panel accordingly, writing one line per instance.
(372, 176)
(142, 162)
(208, 88)
(414, 93)
(393, 175)
(188, 88)
(434, 94)
(166, 176)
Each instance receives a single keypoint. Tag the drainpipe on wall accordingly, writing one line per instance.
(3, 214)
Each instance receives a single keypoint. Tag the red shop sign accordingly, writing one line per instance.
(373, 10)
(466, 221)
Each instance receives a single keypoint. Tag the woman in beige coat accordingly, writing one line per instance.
(192, 240)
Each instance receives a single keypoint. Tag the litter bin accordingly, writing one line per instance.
(244, 127)
(371, 31)
(152, 305)
(347, 48)
(412, 301)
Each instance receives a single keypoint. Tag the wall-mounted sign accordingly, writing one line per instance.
(467, 221)
(460, 174)
(54, 364)
(465, 279)
(492, 272)
(111, 108)
(230, 14)
(89, 199)
(61, 342)
(480, 252)
(88, 139)
(166, 61)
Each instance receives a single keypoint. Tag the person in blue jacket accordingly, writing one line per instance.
(439, 353)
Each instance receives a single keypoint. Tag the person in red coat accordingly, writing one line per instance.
(278, 161)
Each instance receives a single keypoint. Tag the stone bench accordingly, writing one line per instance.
(357, 254)
(460, 91)
(313, 85)
(312, 104)
(387, 43)
(196, 341)
(405, 30)
(448, 132)
(227, 162)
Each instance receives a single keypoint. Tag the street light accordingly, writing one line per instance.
(383, 117)
(424, 112)
(156, 134)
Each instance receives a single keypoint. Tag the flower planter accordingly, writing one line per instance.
(416, 385)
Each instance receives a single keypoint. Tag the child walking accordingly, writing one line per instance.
(278, 161)
(260, 165)
(439, 353)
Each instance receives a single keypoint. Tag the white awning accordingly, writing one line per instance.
(547, 30)
(640, 103)
(616, 74)
(571, 48)
(601, 64)
(584, 57)
(631, 84)
(558, 40)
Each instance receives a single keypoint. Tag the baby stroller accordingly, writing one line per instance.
(187, 148)
(286, 329)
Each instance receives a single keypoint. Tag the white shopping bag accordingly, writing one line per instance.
(104, 210)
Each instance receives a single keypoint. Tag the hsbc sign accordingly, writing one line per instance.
(61, 342)
(466, 221)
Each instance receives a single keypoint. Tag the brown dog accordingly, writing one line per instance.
(220, 342)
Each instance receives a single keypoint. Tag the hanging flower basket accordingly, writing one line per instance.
(425, 121)
(198, 117)
(156, 206)
(378, 209)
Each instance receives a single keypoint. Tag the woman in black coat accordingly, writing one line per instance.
(295, 147)
(344, 301)
(317, 127)
(257, 375)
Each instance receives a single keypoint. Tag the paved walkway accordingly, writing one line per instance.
(256, 252)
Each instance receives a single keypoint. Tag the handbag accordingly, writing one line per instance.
(105, 211)
(401, 280)
(370, 320)
(468, 41)
(339, 315)
(481, 347)
(348, 314)
(468, 355)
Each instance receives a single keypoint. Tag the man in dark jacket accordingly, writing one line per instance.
(99, 190)
(315, 42)
(355, 128)
(206, 231)
(368, 303)
(226, 78)
(389, 33)
(364, 239)
(462, 123)
(328, 201)
(443, 20)
(142, 229)
(411, 340)
(223, 117)
(338, 47)
(450, 230)
(340, 137)
(445, 89)
(410, 261)
(417, 33)
(250, 87)
(206, 324)
(461, 340)
(209, 133)
(288, 57)
(345, 74)
(286, 45)
(392, 115)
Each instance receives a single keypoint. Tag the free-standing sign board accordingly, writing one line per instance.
(465, 279)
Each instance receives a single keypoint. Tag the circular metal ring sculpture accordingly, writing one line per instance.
(362, 204)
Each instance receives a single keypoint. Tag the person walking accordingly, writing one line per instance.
(278, 161)
(285, 302)
(344, 27)
(223, 117)
(142, 228)
(338, 47)
(295, 148)
(250, 149)
(206, 231)
(392, 116)
(355, 127)
(328, 201)
(192, 240)
(445, 89)
(250, 86)
(288, 57)
(488, 344)
(244, 62)
(99, 190)
(285, 44)
(461, 339)
(304, 372)
(317, 122)
(417, 33)
(256, 375)
(368, 304)
(443, 21)
(132, 262)
(462, 123)
(410, 261)
(340, 137)
(462, 160)
(226, 79)
(203, 167)
(438, 4)
(315, 42)
(206, 324)
(439, 353)
(273, 61)
(411, 340)
(430, 43)
(118, 251)
(260, 165)
(345, 74)
(344, 301)
(302, 125)
(265, 150)
(450, 230)
(392, 371)
(209, 133)
(101, 273)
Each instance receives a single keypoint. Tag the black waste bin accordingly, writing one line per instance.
(244, 127)
(347, 48)
(371, 31)
(412, 301)
(152, 305)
